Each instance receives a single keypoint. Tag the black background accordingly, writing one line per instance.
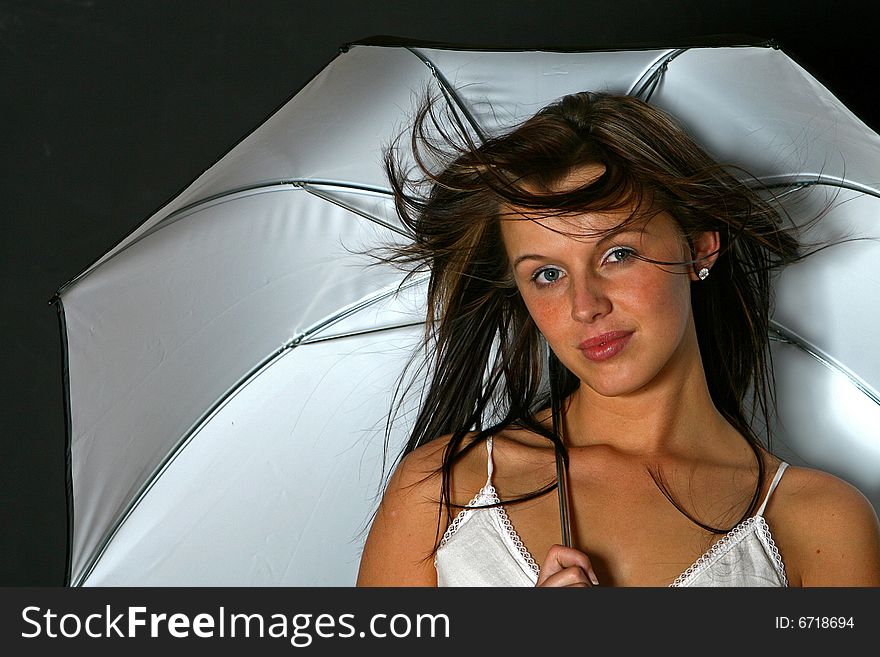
(109, 109)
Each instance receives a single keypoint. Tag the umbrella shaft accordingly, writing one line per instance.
(564, 516)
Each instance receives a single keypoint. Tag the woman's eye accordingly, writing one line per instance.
(618, 254)
(547, 276)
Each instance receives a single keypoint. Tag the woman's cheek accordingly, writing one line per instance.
(548, 313)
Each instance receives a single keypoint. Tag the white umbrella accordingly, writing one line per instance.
(231, 362)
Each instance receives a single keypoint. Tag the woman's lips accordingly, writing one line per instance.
(605, 346)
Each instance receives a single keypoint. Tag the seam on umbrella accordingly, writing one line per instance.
(780, 334)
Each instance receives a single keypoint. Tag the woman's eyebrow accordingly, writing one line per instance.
(528, 256)
(624, 230)
(608, 237)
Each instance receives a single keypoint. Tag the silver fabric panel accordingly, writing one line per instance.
(192, 405)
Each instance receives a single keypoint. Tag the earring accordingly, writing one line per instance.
(703, 273)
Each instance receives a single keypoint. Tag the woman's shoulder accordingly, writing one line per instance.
(414, 490)
(421, 469)
(403, 532)
(410, 519)
(826, 528)
(828, 495)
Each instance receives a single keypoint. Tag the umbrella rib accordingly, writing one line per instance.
(296, 183)
(352, 209)
(651, 77)
(781, 334)
(450, 94)
(800, 181)
(306, 335)
(351, 334)
(288, 182)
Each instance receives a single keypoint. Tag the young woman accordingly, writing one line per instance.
(599, 232)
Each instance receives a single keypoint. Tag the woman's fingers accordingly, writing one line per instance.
(565, 566)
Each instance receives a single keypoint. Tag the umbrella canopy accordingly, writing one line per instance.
(231, 363)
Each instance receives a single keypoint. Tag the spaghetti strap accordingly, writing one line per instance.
(489, 466)
(773, 484)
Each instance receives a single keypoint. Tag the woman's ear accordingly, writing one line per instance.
(706, 246)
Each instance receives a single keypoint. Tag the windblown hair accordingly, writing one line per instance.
(488, 357)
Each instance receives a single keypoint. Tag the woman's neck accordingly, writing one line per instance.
(671, 416)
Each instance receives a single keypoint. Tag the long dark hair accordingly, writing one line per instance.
(488, 361)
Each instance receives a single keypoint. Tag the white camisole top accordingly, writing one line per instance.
(481, 548)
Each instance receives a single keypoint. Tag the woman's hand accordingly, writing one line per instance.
(565, 566)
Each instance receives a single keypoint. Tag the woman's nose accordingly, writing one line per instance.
(588, 301)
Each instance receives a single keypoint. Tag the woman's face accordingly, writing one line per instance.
(618, 323)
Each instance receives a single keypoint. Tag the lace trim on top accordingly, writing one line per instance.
(488, 495)
(729, 541)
